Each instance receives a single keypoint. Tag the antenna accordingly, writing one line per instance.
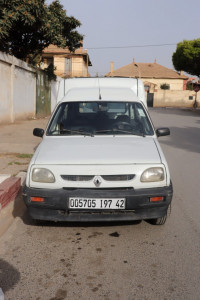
(99, 90)
(137, 77)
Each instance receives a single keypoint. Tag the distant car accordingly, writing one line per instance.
(99, 159)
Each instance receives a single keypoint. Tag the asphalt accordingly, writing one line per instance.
(116, 260)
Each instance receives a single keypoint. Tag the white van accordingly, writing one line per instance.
(99, 159)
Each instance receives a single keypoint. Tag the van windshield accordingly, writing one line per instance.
(100, 118)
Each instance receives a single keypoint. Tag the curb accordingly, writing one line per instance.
(11, 203)
(9, 189)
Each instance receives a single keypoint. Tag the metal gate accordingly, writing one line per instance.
(43, 95)
(150, 97)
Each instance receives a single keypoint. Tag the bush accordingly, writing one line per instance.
(165, 86)
(189, 86)
(50, 72)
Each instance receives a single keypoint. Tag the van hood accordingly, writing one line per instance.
(96, 150)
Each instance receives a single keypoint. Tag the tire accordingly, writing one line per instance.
(162, 220)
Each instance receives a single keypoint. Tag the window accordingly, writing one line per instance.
(98, 117)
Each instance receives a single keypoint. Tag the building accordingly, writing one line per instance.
(154, 76)
(68, 64)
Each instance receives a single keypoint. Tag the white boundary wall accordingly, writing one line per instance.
(17, 89)
(54, 91)
(167, 98)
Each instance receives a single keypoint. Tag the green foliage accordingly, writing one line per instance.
(187, 57)
(24, 155)
(164, 86)
(189, 86)
(50, 72)
(29, 26)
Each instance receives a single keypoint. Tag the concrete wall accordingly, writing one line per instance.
(24, 93)
(175, 84)
(59, 63)
(166, 98)
(17, 89)
(54, 92)
(5, 92)
(79, 67)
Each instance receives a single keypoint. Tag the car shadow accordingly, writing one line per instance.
(19, 205)
(9, 276)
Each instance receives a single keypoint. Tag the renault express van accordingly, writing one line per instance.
(99, 159)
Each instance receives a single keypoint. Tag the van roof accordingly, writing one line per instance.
(96, 94)
(90, 89)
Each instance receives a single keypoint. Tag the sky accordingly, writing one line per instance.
(123, 26)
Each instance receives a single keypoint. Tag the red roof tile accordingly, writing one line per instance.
(146, 70)
(52, 49)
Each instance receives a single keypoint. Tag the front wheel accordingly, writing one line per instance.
(162, 220)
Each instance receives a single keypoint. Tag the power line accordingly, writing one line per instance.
(135, 46)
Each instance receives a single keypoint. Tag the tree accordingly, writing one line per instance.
(29, 26)
(187, 57)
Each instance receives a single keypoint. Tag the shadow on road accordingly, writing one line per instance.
(9, 276)
(19, 205)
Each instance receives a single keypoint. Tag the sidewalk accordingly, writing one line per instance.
(17, 145)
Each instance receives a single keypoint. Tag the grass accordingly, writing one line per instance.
(24, 155)
(20, 156)
(17, 163)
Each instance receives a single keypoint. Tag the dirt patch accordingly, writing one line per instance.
(13, 163)
(17, 144)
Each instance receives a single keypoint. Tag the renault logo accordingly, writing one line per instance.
(97, 180)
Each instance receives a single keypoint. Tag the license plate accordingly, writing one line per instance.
(97, 203)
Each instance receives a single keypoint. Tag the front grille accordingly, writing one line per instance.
(123, 177)
(77, 177)
(118, 177)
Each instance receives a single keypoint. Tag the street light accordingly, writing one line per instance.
(87, 61)
(138, 76)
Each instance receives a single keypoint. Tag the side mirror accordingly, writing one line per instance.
(38, 132)
(162, 132)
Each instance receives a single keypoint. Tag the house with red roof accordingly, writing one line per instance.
(165, 87)
(153, 75)
(68, 64)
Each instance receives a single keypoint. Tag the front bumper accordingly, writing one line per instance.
(138, 207)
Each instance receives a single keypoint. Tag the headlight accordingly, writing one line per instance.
(152, 174)
(42, 175)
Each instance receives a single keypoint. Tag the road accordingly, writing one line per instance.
(116, 261)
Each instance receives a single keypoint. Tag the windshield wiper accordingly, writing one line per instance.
(64, 131)
(120, 130)
(130, 132)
